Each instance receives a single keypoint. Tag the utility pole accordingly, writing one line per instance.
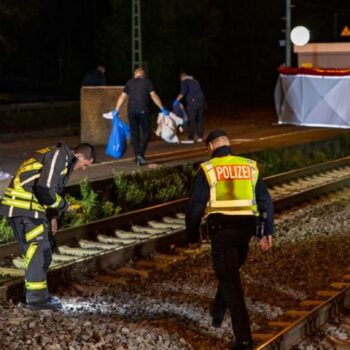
(136, 50)
(288, 30)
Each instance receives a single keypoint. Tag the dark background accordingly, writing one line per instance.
(231, 46)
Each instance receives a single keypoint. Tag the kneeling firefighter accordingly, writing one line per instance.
(32, 203)
(230, 192)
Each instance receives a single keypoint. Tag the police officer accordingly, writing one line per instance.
(31, 201)
(230, 192)
(191, 91)
(138, 90)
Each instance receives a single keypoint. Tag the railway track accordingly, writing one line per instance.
(113, 241)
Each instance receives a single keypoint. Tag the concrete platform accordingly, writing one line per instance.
(249, 132)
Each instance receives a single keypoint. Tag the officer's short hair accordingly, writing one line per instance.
(214, 135)
(140, 71)
(183, 75)
(87, 150)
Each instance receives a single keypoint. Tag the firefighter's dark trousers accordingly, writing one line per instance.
(32, 236)
(230, 245)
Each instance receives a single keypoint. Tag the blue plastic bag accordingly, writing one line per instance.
(180, 111)
(120, 132)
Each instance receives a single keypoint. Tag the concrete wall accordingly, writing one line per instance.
(94, 101)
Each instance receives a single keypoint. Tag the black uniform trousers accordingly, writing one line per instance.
(139, 121)
(230, 238)
(32, 236)
(195, 111)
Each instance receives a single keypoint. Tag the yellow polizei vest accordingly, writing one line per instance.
(232, 182)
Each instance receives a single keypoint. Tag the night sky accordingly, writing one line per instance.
(231, 46)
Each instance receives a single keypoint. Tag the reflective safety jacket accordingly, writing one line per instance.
(35, 189)
(232, 182)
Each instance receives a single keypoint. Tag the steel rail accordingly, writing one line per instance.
(308, 324)
(105, 186)
(58, 275)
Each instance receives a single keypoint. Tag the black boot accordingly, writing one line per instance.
(216, 321)
(242, 345)
(140, 160)
(51, 303)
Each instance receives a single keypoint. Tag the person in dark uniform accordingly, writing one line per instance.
(192, 92)
(139, 89)
(32, 203)
(95, 77)
(231, 194)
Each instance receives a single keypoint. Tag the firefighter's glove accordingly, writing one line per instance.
(52, 241)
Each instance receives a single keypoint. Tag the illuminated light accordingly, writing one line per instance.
(300, 36)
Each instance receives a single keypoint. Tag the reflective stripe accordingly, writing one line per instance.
(43, 150)
(22, 204)
(35, 232)
(36, 285)
(57, 202)
(213, 180)
(254, 178)
(24, 195)
(29, 254)
(30, 179)
(230, 211)
(232, 203)
(35, 165)
(20, 194)
(52, 167)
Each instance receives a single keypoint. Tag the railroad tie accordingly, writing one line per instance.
(346, 277)
(151, 265)
(112, 280)
(193, 252)
(279, 324)
(128, 271)
(176, 221)
(340, 344)
(170, 259)
(263, 336)
(98, 245)
(326, 293)
(86, 289)
(296, 313)
(65, 250)
(148, 230)
(312, 303)
(340, 285)
(163, 225)
(180, 216)
(60, 258)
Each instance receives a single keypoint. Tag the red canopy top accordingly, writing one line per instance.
(312, 71)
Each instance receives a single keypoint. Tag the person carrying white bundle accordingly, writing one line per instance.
(168, 126)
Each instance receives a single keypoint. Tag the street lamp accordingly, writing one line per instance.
(300, 35)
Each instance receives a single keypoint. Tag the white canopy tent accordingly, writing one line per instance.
(313, 100)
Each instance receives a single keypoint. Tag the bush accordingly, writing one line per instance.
(6, 232)
(152, 187)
